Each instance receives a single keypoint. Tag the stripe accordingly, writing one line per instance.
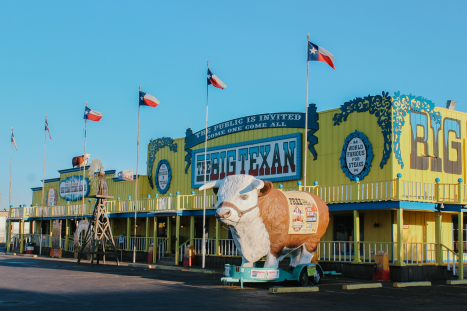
(325, 53)
(326, 59)
(151, 101)
(94, 117)
(217, 82)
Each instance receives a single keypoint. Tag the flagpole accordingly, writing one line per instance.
(11, 164)
(84, 163)
(205, 170)
(136, 181)
(43, 171)
(306, 115)
(43, 177)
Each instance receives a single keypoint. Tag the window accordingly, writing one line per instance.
(455, 233)
(161, 228)
(199, 227)
(343, 227)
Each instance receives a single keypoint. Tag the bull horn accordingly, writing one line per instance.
(257, 184)
(209, 185)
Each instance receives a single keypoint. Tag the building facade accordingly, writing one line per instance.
(391, 169)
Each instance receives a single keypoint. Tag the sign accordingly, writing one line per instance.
(121, 239)
(51, 197)
(163, 176)
(311, 270)
(265, 274)
(227, 271)
(125, 175)
(71, 189)
(273, 158)
(260, 121)
(405, 226)
(56, 238)
(303, 213)
(356, 157)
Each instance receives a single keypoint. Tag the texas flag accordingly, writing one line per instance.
(148, 100)
(214, 80)
(13, 139)
(92, 115)
(47, 128)
(316, 53)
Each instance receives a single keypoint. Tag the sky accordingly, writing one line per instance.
(57, 55)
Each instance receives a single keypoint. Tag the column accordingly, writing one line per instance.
(8, 240)
(356, 236)
(177, 240)
(128, 228)
(67, 234)
(438, 238)
(192, 231)
(400, 237)
(154, 250)
(146, 247)
(21, 236)
(169, 236)
(217, 237)
(460, 234)
(51, 228)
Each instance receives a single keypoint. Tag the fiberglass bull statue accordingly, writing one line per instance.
(81, 160)
(268, 222)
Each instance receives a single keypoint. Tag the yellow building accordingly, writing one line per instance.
(391, 169)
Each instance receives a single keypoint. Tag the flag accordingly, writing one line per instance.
(13, 139)
(214, 80)
(47, 128)
(148, 100)
(316, 53)
(92, 115)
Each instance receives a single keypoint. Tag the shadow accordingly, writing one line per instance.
(48, 284)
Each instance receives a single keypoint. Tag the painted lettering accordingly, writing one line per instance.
(452, 167)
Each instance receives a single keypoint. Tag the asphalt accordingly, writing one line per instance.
(55, 284)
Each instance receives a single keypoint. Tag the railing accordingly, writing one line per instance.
(344, 250)
(43, 211)
(14, 240)
(182, 250)
(418, 191)
(210, 246)
(369, 191)
(77, 209)
(211, 201)
(71, 246)
(161, 247)
(420, 253)
(166, 203)
(111, 206)
(228, 248)
(140, 243)
(123, 206)
(396, 189)
(120, 245)
(45, 239)
(451, 257)
(185, 201)
(335, 251)
(16, 212)
(368, 250)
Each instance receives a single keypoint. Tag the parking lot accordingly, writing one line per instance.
(56, 284)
